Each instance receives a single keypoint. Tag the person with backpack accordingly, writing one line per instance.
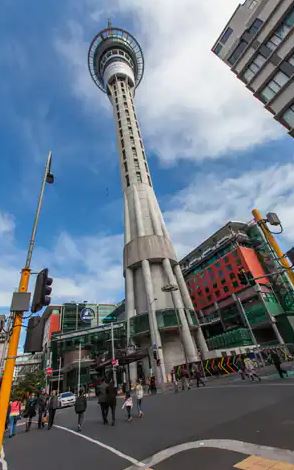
(80, 408)
(111, 393)
(41, 407)
(30, 410)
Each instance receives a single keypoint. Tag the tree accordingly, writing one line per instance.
(33, 382)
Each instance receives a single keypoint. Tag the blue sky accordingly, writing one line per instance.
(214, 152)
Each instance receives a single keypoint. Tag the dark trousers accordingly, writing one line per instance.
(40, 419)
(200, 381)
(112, 407)
(80, 419)
(280, 370)
(129, 409)
(104, 410)
(51, 418)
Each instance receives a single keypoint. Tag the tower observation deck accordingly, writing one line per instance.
(116, 65)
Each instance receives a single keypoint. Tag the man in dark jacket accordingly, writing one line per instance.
(52, 407)
(102, 400)
(111, 399)
(41, 406)
(277, 363)
(80, 408)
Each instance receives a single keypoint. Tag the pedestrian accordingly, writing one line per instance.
(277, 363)
(41, 407)
(80, 408)
(52, 407)
(152, 385)
(102, 400)
(111, 392)
(139, 397)
(14, 415)
(185, 379)
(250, 370)
(198, 377)
(128, 405)
(30, 410)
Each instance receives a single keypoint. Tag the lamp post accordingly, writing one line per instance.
(17, 320)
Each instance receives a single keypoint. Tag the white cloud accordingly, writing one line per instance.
(6, 224)
(191, 105)
(210, 202)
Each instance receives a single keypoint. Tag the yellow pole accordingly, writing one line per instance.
(11, 356)
(273, 243)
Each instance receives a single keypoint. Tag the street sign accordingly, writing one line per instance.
(114, 362)
(49, 371)
(87, 314)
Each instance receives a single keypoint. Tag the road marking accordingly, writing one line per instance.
(135, 462)
(253, 462)
(241, 447)
(2, 459)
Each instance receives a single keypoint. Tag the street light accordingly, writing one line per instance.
(18, 312)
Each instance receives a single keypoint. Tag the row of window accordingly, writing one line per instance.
(243, 43)
(118, 53)
(274, 85)
(288, 116)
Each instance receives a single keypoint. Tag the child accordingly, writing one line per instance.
(128, 405)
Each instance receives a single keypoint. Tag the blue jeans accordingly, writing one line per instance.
(12, 422)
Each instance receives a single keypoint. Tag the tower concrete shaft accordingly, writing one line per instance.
(150, 262)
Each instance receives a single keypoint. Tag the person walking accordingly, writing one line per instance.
(277, 363)
(139, 397)
(250, 370)
(102, 399)
(111, 393)
(14, 415)
(80, 408)
(185, 379)
(41, 407)
(52, 407)
(128, 405)
(30, 410)
(198, 377)
(152, 385)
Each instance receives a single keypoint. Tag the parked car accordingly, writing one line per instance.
(66, 399)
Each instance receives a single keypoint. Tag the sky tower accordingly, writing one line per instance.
(116, 65)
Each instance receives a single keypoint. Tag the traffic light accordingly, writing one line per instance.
(242, 277)
(42, 291)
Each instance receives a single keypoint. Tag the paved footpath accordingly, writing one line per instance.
(216, 427)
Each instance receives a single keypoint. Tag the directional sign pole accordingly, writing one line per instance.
(113, 357)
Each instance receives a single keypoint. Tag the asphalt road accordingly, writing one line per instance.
(196, 429)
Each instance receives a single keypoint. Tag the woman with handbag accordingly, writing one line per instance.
(14, 415)
(30, 410)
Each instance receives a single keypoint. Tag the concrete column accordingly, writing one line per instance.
(270, 316)
(138, 213)
(188, 342)
(156, 222)
(155, 335)
(130, 298)
(127, 221)
(200, 340)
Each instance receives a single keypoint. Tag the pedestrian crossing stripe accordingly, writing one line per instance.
(258, 463)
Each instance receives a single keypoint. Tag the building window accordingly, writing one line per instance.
(226, 35)
(235, 284)
(130, 128)
(119, 123)
(149, 180)
(217, 49)
(128, 120)
(134, 151)
(214, 285)
(146, 167)
(223, 281)
(207, 290)
(290, 60)
(288, 116)
(237, 52)
(217, 293)
(232, 276)
(256, 25)
(127, 180)
(143, 154)
(282, 31)
(229, 267)
(124, 154)
(141, 143)
(221, 273)
(209, 298)
(118, 115)
(126, 166)
(124, 97)
(125, 104)
(226, 259)
(274, 86)
(127, 112)
(122, 143)
(139, 177)
(121, 132)
(137, 166)
(254, 67)
(132, 139)
(226, 289)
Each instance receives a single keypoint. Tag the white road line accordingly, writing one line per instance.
(2, 460)
(249, 385)
(241, 447)
(135, 462)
